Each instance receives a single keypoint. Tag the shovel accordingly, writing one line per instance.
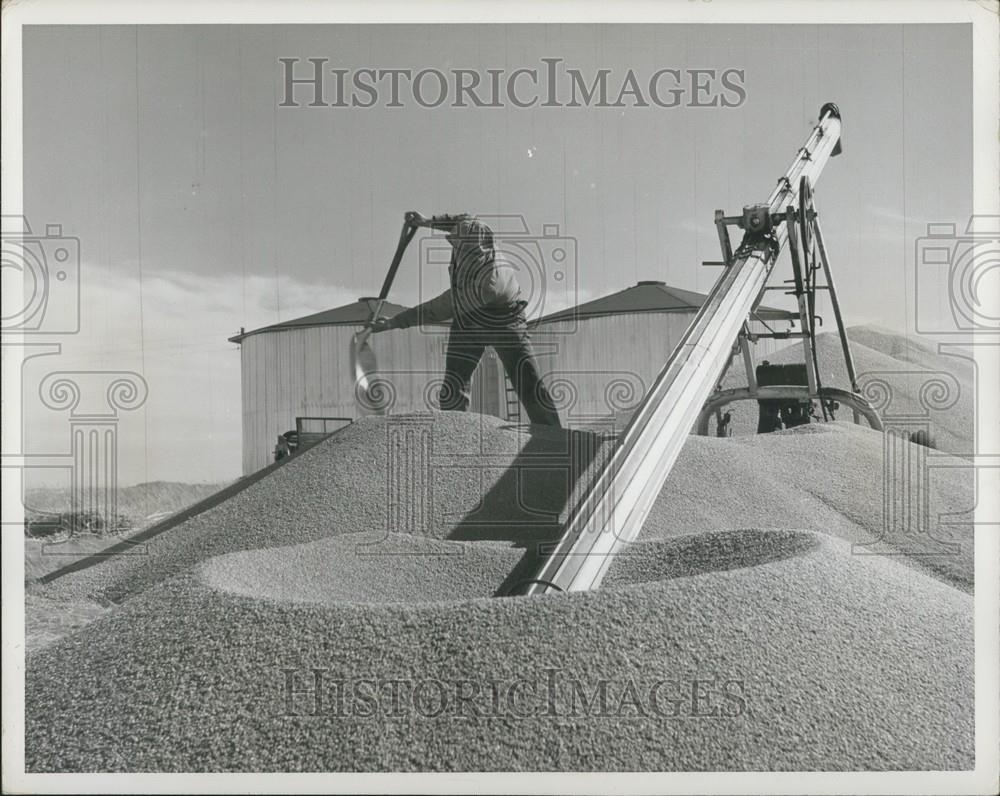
(364, 365)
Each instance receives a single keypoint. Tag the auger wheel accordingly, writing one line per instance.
(807, 212)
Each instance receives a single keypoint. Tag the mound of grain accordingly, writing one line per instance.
(46, 621)
(830, 478)
(915, 350)
(742, 631)
(485, 480)
(710, 655)
(903, 378)
(351, 568)
(140, 503)
(439, 475)
(407, 569)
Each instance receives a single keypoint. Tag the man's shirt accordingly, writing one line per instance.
(479, 280)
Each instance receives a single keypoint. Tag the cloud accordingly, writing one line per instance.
(171, 327)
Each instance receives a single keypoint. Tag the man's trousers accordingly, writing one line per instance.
(511, 341)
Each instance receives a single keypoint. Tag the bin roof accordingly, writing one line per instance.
(647, 296)
(354, 314)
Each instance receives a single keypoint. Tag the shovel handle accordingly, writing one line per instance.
(405, 236)
(404, 239)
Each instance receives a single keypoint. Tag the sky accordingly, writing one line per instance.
(201, 206)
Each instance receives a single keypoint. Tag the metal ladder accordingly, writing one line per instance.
(511, 400)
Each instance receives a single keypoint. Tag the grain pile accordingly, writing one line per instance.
(741, 649)
(495, 482)
(800, 658)
(829, 478)
(488, 480)
(348, 569)
(141, 503)
(902, 377)
(339, 615)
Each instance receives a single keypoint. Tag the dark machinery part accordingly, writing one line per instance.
(723, 424)
(778, 413)
(757, 219)
(288, 443)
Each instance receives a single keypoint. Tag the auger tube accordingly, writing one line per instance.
(612, 510)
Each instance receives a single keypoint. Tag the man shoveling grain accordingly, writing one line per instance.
(485, 308)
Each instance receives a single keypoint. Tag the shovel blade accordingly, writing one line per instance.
(364, 367)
